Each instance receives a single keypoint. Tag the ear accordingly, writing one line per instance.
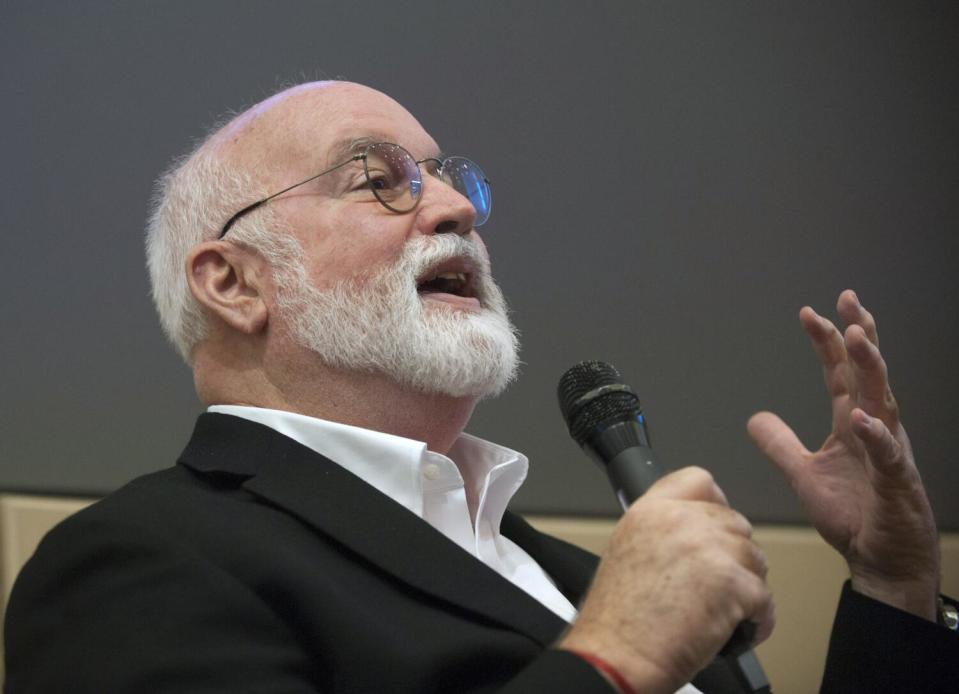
(229, 282)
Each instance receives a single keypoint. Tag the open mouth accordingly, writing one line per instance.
(453, 278)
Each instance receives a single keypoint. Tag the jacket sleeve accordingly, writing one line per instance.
(558, 671)
(877, 648)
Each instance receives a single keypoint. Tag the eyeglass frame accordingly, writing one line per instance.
(356, 157)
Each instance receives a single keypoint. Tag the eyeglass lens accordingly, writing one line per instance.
(396, 180)
(468, 179)
(393, 175)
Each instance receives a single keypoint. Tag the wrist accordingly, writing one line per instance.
(612, 675)
(626, 672)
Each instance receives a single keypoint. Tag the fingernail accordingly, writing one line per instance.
(856, 297)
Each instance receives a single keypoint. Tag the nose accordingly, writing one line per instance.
(443, 210)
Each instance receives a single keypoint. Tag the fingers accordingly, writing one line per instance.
(777, 442)
(885, 452)
(749, 555)
(871, 375)
(852, 363)
(830, 347)
(852, 313)
(748, 582)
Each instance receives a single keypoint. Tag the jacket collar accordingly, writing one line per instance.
(338, 504)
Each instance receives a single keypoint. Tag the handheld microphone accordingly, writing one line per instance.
(603, 416)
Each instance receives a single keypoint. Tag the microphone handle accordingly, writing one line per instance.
(632, 472)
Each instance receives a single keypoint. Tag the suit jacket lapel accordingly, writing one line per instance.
(342, 506)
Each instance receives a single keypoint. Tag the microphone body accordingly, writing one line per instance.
(623, 450)
(604, 417)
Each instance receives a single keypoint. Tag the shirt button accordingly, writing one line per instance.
(431, 471)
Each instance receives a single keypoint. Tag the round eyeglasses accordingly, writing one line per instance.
(396, 180)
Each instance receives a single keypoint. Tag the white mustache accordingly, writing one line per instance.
(424, 252)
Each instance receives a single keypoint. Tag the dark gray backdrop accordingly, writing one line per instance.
(673, 181)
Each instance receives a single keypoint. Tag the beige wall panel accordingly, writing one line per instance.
(24, 520)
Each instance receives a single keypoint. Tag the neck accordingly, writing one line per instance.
(371, 401)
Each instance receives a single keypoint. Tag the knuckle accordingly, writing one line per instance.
(718, 495)
(732, 569)
(702, 484)
(767, 627)
(693, 474)
(892, 450)
(889, 402)
(742, 525)
(750, 556)
(758, 560)
(759, 595)
(700, 474)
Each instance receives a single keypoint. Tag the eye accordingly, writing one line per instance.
(379, 181)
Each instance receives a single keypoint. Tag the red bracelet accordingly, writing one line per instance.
(607, 670)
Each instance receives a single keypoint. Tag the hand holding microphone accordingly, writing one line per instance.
(681, 573)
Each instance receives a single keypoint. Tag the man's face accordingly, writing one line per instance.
(365, 297)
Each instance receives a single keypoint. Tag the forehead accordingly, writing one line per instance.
(327, 124)
(315, 125)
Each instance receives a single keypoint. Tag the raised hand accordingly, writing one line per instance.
(861, 489)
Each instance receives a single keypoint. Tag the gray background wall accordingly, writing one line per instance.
(673, 181)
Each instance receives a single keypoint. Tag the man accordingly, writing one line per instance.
(329, 527)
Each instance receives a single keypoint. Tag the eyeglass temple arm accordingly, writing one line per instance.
(250, 208)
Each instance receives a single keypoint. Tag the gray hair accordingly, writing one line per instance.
(191, 202)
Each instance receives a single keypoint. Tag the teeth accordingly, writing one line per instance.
(452, 276)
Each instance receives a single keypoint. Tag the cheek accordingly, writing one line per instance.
(352, 247)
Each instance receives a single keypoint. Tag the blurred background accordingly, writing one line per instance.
(672, 182)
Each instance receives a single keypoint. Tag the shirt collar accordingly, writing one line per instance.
(397, 466)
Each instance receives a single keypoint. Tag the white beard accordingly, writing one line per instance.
(379, 323)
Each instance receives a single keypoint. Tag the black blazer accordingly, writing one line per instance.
(257, 565)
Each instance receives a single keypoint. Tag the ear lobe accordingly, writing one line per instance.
(226, 281)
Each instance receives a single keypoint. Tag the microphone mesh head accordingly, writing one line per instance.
(586, 416)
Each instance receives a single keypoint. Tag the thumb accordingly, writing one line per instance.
(778, 442)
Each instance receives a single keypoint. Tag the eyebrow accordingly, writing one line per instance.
(344, 149)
